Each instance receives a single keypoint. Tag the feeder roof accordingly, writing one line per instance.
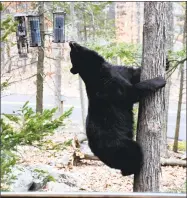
(59, 12)
(19, 14)
(33, 15)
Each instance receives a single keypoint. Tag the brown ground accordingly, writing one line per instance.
(95, 176)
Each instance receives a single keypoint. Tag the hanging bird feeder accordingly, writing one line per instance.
(21, 27)
(21, 34)
(34, 30)
(59, 27)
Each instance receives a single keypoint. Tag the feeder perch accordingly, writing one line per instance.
(34, 30)
(21, 34)
(59, 27)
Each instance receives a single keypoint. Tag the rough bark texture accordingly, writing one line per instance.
(40, 64)
(169, 46)
(151, 108)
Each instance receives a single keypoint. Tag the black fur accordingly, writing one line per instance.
(112, 91)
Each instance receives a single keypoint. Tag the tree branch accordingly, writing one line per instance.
(164, 162)
(22, 79)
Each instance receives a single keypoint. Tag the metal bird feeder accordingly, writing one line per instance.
(34, 30)
(21, 35)
(59, 27)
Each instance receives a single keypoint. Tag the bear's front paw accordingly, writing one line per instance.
(159, 82)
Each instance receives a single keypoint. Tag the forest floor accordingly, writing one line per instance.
(94, 176)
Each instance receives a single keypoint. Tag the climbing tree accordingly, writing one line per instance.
(151, 108)
(40, 64)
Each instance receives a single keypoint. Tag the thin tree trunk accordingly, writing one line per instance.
(138, 21)
(40, 64)
(9, 57)
(84, 18)
(177, 129)
(132, 3)
(73, 19)
(80, 80)
(150, 108)
(169, 42)
(82, 102)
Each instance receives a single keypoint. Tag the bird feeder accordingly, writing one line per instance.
(21, 35)
(59, 27)
(34, 30)
(21, 26)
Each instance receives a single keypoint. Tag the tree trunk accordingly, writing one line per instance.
(40, 64)
(80, 80)
(150, 108)
(138, 22)
(73, 19)
(169, 46)
(85, 30)
(132, 3)
(82, 102)
(177, 128)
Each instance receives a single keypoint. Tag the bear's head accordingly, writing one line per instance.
(85, 62)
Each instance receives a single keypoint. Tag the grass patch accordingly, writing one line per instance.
(181, 146)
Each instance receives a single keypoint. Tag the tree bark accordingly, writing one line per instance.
(40, 64)
(151, 108)
(169, 46)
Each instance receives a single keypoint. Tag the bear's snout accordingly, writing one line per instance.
(71, 44)
(75, 46)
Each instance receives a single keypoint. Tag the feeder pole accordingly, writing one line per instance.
(58, 49)
(58, 78)
(40, 64)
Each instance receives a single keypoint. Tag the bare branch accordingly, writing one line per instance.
(22, 79)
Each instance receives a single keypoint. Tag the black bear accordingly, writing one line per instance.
(112, 91)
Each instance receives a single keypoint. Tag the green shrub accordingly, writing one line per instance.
(29, 128)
